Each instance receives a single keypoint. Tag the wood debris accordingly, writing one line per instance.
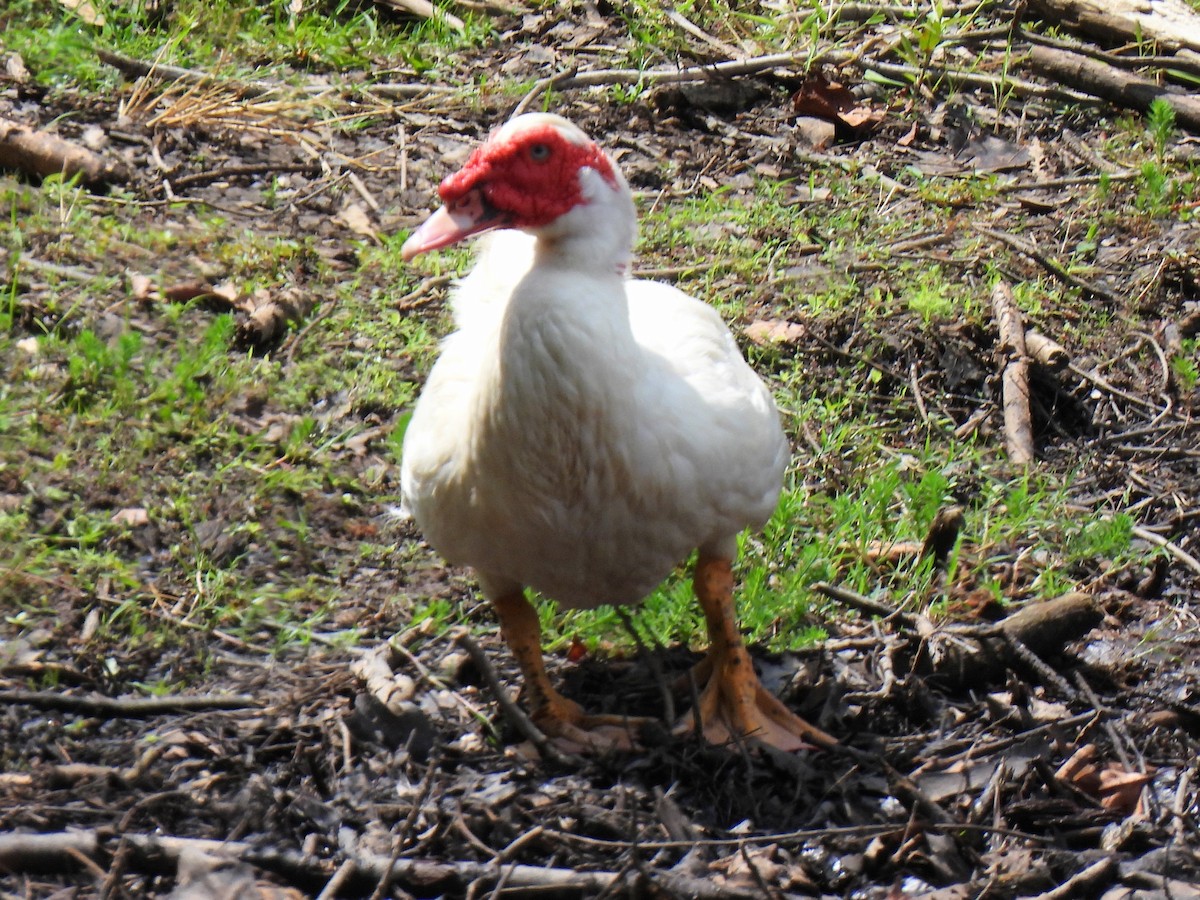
(1018, 427)
(44, 154)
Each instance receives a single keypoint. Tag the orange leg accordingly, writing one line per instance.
(734, 703)
(553, 713)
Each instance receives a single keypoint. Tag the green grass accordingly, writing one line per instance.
(237, 38)
(257, 442)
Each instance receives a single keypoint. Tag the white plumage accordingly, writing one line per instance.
(581, 432)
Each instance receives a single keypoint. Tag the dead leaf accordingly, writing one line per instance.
(361, 529)
(140, 286)
(751, 868)
(355, 217)
(189, 290)
(133, 516)
(1118, 789)
(909, 136)
(14, 66)
(85, 11)
(228, 292)
(773, 332)
(830, 100)
(577, 651)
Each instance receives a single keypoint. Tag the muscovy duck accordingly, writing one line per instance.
(581, 432)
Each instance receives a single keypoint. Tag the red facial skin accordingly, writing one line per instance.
(532, 178)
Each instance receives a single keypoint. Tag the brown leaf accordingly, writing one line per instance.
(85, 11)
(772, 332)
(1117, 789)
(577, 651)
(1080, 761)
(361, 529)
(133, 516)
(751, 868)
(1120, 790)
(187, 290)
(355, 217)
(830, 100)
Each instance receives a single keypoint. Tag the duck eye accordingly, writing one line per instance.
(539, 152)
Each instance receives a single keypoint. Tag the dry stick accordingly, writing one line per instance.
(515, 714)
(1016, 86)
(1050, 264)
(1085, 883)
(340, 877)
(19, 852)
(1072, 181)
(1118, 60)
(697, 32)
(1018, 427)
(978, 751)
(1109, 388)
(423, 294)
(235, 171)
(43, 154)
(533, 877)
(1174, 549)
(727, 69)
(1122, 88)
(1048, 353)
(126, 707)
(863, 604)
(139, 67)
(1021, 651)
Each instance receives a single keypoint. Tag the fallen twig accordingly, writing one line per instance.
(197, 178)
(726, 69)
(423, 294)
(140, 67)
(1046, 352)
(1120, 87)
(1105, 385)
(1174, 549)
(126, 707)
(511, 709)
(43, 154)
(1177, 62)
(1051, 265)
(1072, 181)
(1006, 84)
(39, 852)
(1085, 883)
(862, 604)
(1018, 426)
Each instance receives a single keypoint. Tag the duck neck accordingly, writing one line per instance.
(597, 236)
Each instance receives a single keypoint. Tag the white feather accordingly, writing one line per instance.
(581, 433)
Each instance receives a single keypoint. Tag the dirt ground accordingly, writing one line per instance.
(1008, 773)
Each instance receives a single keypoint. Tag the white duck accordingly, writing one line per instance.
(581, 432)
